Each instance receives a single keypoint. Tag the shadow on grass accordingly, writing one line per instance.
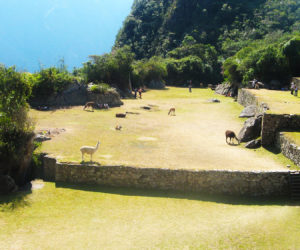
(223, 199)
(14, 201)
(273, 150)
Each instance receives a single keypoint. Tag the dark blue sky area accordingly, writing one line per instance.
(41, 32)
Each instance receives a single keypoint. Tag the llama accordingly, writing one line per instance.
(231, 135)
(171, 111)
(89, 104)
(89, 150)
(118, 127)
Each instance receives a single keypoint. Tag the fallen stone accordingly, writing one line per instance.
(214, 100)
(146, 107)
(253, 144)
(223, 89)
(41, 138)
(121, 115)
(248, 112)
(251, 129)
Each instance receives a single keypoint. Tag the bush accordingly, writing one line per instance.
(146, 71)
(50, 81)
(100, 88)
(16, 129)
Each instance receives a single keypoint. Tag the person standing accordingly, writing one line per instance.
(140, 93)
(296, 90)
(292, 88)
(135, 93)
(190, 86)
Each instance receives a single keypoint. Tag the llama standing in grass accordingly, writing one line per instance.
(231, 135)
(171, 111)
(89, 150)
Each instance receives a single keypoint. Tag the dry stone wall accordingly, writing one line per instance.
(274, 123)
(246, 98)
(274, 183)
(288, 148)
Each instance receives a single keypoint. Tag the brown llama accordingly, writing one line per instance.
(231, 135)
(89, 104)
(171, 111)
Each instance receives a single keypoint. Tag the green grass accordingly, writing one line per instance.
(193, 139)
(294, 136)
(280, 102)
(81, 217)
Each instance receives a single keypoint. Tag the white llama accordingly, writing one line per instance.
(89, 150)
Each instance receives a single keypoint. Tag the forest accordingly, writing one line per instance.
(213, 41)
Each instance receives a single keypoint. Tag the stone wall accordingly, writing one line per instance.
(49, 168)
(77, 94)
(246, 98)
(288, 148)
(274, 123)
(237, 183)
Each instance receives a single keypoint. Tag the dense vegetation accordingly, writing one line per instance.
(114, 68)
(195, 37)
(16, 130)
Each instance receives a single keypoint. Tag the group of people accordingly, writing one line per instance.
(140, 91)
(294, 89)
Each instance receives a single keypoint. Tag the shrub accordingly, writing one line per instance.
(100, 88)
(50, 81)
(16, 129)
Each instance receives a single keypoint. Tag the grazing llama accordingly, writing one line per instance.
(231, 135)
(89, 150)
(171, 111)
(89, 104)
(118, 127)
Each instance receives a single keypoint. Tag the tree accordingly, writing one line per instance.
(16, 129)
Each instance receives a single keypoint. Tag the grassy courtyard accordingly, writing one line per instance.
(280, 102)
(294, 136)
(194, 138)
(69, 217)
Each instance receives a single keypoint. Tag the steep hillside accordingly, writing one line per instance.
(156, 27)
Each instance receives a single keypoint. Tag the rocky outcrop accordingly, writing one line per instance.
(251, 129)
(248, 112)
(77, 94)
(112, 98)
(224, 89)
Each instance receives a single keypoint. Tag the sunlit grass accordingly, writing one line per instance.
(280, 102)
(294, 136)
(70, 217)
(193, 139)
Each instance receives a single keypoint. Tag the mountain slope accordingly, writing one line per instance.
(156, 27)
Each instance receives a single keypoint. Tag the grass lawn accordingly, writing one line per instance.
(194, 138)
(280, 102)
(295, 136)
(68, 217)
